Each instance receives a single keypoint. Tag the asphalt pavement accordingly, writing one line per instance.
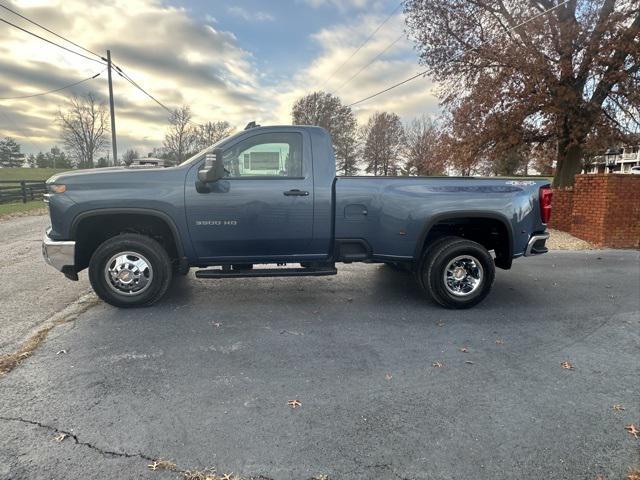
(391, 386)
(31, 292)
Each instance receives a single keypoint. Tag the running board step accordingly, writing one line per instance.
(266, 272)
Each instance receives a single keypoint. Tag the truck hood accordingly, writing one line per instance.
(92, 174)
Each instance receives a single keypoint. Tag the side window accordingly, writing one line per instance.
(265, 155)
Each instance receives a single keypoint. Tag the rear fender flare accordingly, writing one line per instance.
(463, 214)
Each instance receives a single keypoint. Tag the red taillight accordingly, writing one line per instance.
(546, 195)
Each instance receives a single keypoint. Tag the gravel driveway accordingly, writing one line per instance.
(390, 385)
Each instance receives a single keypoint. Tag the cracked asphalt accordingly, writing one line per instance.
(203, 379)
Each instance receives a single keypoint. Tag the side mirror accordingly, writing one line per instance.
(213, 169)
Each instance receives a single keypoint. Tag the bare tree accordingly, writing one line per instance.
(327, 111)
(421, 140)
(180, 139)
(534, 71)
(383, 139)
(129, 156)
(84, 125)
(212, 132)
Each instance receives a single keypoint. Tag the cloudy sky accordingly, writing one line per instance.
(237, 60)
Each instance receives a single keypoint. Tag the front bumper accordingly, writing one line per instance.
(60, 255)
(537, 244)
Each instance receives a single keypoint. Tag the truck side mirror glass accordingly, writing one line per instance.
(213, 168)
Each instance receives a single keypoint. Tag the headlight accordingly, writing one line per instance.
(56, 188)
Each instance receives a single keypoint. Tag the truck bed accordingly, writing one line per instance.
(392, 213)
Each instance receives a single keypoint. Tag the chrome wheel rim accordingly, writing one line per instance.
(463, 275)
(128, 273)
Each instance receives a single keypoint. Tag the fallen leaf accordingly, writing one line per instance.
(567, 365)
(618, 408)
(388, 376)
(632, 429)
(634, 474)
(437, 364)
(61, 352)
(469, 362)
(294, 403)
(60, 437)
(463, 349)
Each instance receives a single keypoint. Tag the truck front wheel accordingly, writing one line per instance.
(130, 270)
(456, 272)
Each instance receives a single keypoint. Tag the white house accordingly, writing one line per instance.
(616, 160)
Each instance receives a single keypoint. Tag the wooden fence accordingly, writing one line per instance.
(21, 190)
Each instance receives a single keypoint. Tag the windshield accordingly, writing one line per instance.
(203, 152)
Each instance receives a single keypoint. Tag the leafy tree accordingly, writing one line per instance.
(211, 132)
(54, 158)
(560, 77)
(180, 139)
(84, 127)
(57, 158)
(10, 155)
(421, 137)
(383, 139)
(327, 111)
(129, 156)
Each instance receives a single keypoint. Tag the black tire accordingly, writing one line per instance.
(475, 263)
(158, 274)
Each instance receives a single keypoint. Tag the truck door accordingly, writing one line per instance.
(263, 208)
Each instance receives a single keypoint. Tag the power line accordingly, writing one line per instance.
(48, 30)
(456, 57)
(370, 62)
(389, 88)
(118, 69)
(124, 75)
(361, 45)
(132, 82)
(50, 41)
(55, 90)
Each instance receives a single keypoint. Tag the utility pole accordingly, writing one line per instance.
(113, 112)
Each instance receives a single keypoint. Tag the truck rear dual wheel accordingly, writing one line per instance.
(130, 270)
(456, 272)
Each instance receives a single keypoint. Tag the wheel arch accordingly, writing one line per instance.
(504, 256)
(127, 213)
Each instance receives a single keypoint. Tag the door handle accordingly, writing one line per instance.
(296, 193)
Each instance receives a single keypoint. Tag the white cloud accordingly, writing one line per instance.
(398, 63)
(256, 16)
(184, 60)
(174, 56)
(340, 4)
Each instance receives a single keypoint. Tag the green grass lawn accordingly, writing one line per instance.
(11, 208)
(28, 173)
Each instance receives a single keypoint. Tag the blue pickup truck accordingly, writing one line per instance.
(270, 196)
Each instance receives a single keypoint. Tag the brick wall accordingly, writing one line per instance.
(562, 211)
(603, 209)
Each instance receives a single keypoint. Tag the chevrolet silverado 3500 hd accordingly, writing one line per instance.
(270, 195)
